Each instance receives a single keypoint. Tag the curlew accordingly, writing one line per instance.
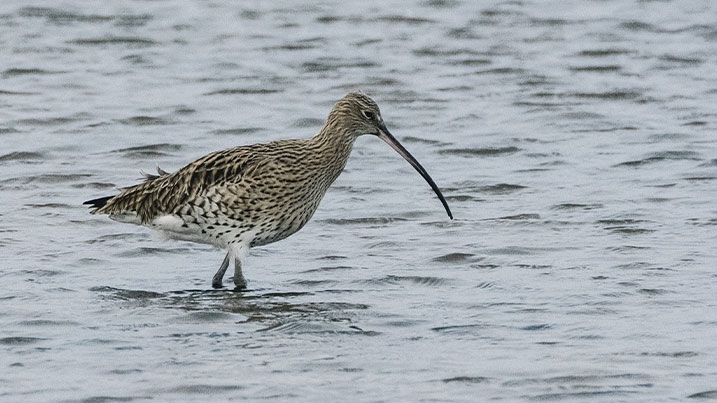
(252, 195)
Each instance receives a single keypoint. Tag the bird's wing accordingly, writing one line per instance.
(168, 193)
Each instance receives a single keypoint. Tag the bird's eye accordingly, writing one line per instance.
(368, 115)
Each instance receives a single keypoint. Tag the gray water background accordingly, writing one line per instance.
(574, 140)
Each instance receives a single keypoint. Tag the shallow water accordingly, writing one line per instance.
(574, 141)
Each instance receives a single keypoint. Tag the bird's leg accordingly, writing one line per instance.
(219, 276)
(239, 280)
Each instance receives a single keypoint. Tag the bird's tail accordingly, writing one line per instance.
(98, 203)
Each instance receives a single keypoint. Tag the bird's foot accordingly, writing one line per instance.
(217, 280)
(240, 283)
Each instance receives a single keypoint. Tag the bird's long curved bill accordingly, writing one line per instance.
(386, 136)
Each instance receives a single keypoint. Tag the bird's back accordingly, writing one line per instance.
(270, 190)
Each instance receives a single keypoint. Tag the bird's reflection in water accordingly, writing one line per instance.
(267, 310)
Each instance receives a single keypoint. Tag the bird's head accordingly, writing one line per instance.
(357, 114)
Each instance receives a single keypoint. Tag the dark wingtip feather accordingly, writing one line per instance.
(97, 203)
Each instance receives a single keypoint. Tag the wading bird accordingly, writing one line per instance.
(252, 195)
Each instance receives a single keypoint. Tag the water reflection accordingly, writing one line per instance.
(278, 311)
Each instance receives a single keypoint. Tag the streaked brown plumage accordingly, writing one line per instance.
(252, 195)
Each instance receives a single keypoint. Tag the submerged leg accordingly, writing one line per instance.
(239, 280)
(219, 276)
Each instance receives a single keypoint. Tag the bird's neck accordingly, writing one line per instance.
(332, 147)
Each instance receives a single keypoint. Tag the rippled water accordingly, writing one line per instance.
(575, 141)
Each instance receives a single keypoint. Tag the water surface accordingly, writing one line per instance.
(574, 141)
